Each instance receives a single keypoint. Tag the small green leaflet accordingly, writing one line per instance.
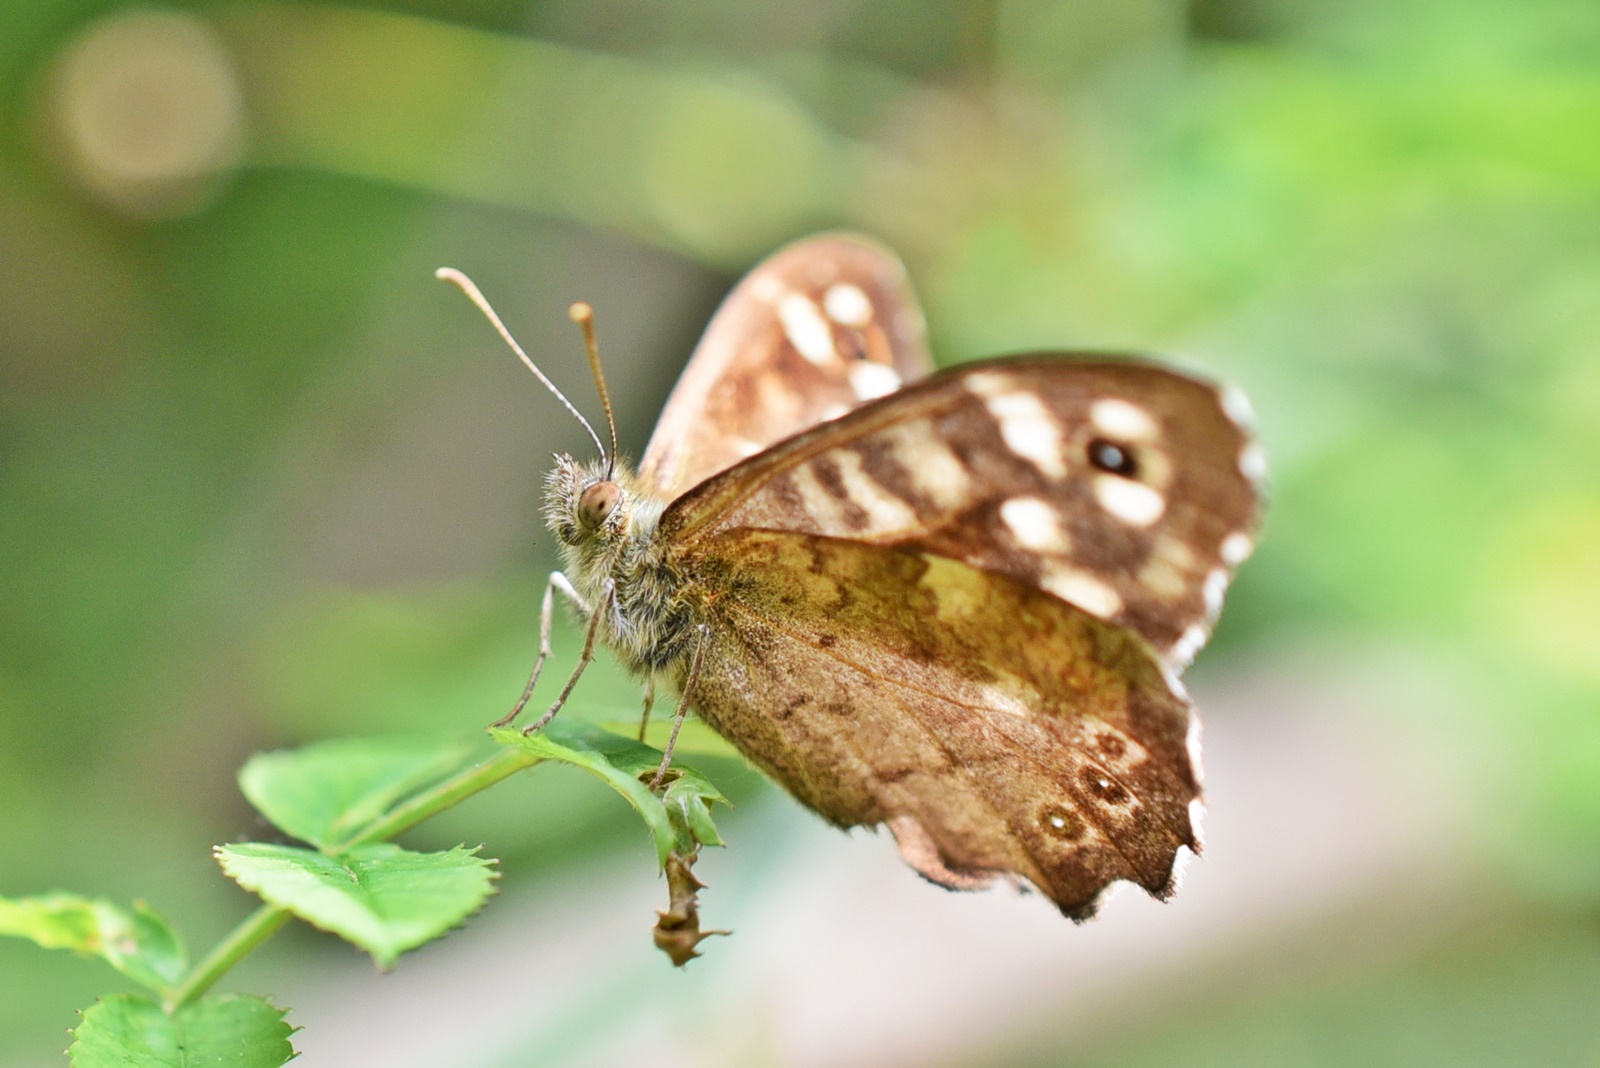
(222, 1031)
(381, 897)
(678, 819)
(326, 792)
(136, 942)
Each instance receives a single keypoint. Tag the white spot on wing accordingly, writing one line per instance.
(1083, 590)
(1131, 502)
(1181, 858)
(1216, 585)
(1253, 462)
(1176, 688)
(886, 513)
(1191, 745)
(827, 509)
(1034, 524)
(990, 383)
(1027, 427)
(1175, 551)
(1197, 816)
(846, 303)
(1118, 418)
(806, 329)
(1237, 407)
(1163, 577)
(872, 380)
(1188, 644)
(765, 287)
(1236, 548)
(935, 470)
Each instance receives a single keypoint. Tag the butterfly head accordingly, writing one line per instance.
(603, 523)
(587, 503)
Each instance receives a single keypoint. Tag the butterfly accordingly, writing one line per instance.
(956, 603)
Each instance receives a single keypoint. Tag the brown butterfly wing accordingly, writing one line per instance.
(821, 326)
(994, 728)
(995, 465)
(933, 613)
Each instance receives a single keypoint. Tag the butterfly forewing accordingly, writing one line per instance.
(1122, 488)
(812, 332)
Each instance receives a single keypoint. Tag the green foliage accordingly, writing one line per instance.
(678, 821)
(326, 792)
(380, 897)
(227, 1031)
(137, 942)
(344, 797)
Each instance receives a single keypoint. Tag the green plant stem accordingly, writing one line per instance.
(250, 933)
(447, 794)
(264, 921)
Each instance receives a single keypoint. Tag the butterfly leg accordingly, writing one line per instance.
(583, 660)
(649, 703)
(557, 581)
(683, 707)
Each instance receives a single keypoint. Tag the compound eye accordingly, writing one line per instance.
(596, 502)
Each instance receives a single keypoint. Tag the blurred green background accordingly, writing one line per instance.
(263, 480)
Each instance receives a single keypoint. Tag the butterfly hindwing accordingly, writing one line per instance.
(994, 728)
(815, 330)
(1123, 488)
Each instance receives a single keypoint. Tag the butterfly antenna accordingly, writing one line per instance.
(583, 315)
(465, 284)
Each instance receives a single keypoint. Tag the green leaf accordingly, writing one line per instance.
(689, 805)
(381, 897)
(137, 942)
(325, 793)
(223, 1031)
(679, 820)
